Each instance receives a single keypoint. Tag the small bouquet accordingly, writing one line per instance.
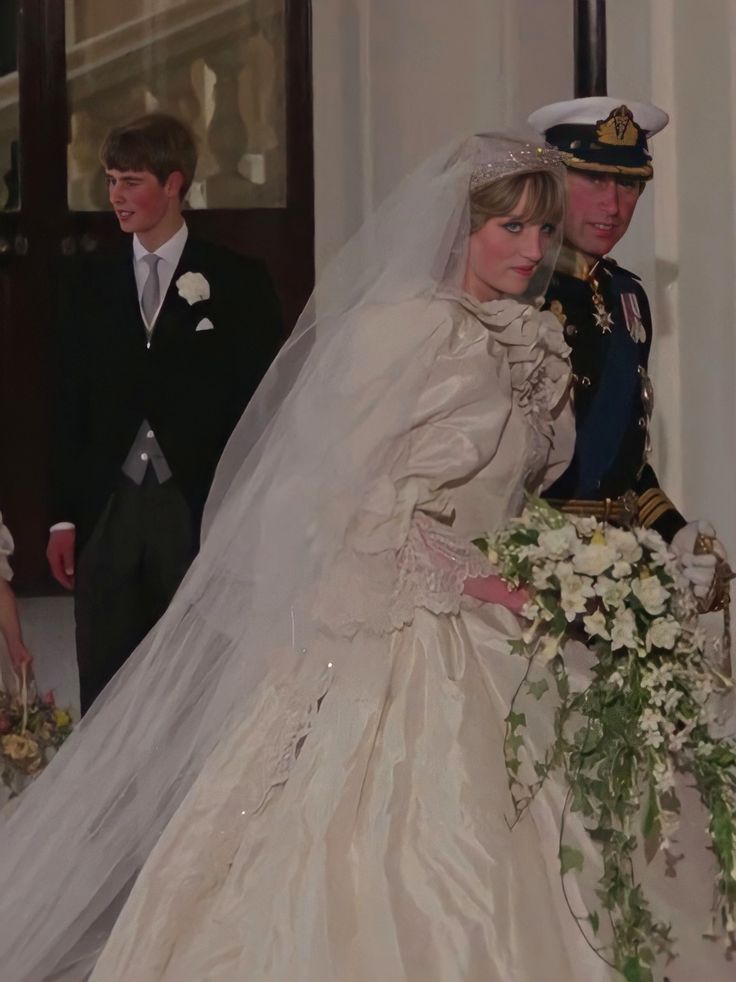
(642, 713)
(31, 730)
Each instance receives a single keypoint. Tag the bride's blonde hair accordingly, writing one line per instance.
(545, 199)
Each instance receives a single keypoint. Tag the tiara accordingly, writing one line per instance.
(527, 158)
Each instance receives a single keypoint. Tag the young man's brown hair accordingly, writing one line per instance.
(155, 142)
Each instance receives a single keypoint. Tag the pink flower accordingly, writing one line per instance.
(48, 699)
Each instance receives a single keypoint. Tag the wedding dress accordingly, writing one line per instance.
(361, 833)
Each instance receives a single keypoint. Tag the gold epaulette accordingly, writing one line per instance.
(652, 505)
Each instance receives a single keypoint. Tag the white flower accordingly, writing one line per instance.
(574, 591)
(664, 777)
(594, 559)
(193, 287)
(621, 570)
(617, 679)
(663, 633)
(595, 625)
(612, 592)
(650, 539)
(541, 576)
(625, 544)
(623, 633)
(585, 524)
(649, 723)
(652, 595)
(558, 543)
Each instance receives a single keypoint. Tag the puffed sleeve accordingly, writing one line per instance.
(6, 550)
(400, 551)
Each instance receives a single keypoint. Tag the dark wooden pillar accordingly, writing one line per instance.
(590, 48)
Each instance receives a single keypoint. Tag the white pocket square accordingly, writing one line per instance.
(205, 325)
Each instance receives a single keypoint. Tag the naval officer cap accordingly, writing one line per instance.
(602, 133)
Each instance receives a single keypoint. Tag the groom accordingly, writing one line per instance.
(160, 348)
(605, 315)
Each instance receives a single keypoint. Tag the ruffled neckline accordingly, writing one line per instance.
(535, 346)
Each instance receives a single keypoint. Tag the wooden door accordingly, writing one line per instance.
(239, 72)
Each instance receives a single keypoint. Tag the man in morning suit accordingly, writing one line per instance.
(160, 348)
(605, 315)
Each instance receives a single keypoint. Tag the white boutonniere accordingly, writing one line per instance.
(193, 287)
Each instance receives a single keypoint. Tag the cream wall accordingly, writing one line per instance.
(396, 78)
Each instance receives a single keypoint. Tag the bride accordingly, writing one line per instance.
(299, 774)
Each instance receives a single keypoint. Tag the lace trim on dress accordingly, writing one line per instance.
(398, 556)
(433, 566)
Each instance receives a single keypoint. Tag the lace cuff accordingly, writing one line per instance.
(380, 591)
(432, 568)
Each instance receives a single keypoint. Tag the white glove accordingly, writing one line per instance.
(698, 569)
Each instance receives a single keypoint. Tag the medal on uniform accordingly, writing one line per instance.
(632, 316)
(602, 317)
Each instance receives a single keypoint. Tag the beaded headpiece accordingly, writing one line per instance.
(527, 157)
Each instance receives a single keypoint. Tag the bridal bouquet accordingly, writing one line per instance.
(32, 728)
(643, 713)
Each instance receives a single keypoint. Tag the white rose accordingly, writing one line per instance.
(650, 539)
(663, 633)
(612, 592)
(558, 543)
(594, 559)
(621, 570)
(625, 544)
(623, 632)
(193, 287)
(651, 594)
(595, 625)
(585, 525)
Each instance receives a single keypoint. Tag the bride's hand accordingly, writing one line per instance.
(494, 590)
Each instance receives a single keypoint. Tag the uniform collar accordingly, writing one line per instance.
(572, 262)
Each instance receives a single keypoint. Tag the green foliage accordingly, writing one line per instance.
(617, 743)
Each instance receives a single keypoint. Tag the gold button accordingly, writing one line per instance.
(585, 382)
(642, 422)
(570, 331)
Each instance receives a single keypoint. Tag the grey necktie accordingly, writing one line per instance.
(151, 296)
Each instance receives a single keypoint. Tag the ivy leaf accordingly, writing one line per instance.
(563, 685)
(633, 971)
(537, 689)
(516, 719)
(570, 859)
(650, 825)
(594, 920)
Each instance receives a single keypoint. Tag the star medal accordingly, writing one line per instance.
(632, 316)
(602, 317)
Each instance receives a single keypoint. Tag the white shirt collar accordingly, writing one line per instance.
(170, 251)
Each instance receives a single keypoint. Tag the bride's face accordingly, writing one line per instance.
(504, 254)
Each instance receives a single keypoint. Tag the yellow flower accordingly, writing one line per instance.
(598, 539)
(19, 747)
(62, 717)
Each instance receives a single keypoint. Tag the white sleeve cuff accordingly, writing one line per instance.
(60, 526)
